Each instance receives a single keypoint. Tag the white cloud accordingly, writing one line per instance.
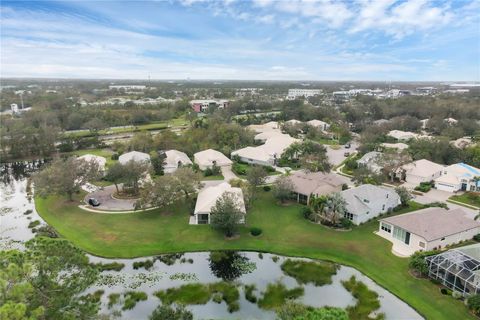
(267, 19)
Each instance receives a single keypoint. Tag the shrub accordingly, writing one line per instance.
(424, 186)
(418, 262)
(115, 156)
(239, 169)
(131, 299)
(249, 295)
(346, 223)
(147, 264)
(28, 212)
(476, 237)
(46, 231)
(306, 212)
(436, 204)
(115, 266)
(255, 231)
(473, 304)
(267, 188)
(446, 291)
(270, 169)
(207, 172)
(344, 186)
(456, 295)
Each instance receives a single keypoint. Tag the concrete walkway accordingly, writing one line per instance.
(228, 173)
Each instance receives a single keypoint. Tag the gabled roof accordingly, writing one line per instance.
(173, 157)
(316, 123)
(423, 168)
(267, 135)
(255, 153)
(364, 197)
(456, 172)
(135, 156)
(207, 157)
(91, 157)
(207, 197)
(434, 223)
(315, 182)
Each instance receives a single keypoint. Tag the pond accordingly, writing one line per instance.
(204, 268)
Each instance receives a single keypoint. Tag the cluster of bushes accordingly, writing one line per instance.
(308, 214)
(113, 266)
(425, 186)
(131, 299)
(418, 264)
(212, 171)
(255, 231)
(147, 264)
(267, 188)
(239, 169)
(170, 259)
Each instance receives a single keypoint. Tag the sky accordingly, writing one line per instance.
(385, 40)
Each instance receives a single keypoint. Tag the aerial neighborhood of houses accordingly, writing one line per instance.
(233, 161)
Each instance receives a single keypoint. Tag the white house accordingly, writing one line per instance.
(175, 159)
(295, 93)
(264, 136)
(319, 124)
(293, 122)
(207, 199)
(135, 156)
(268, 153)
(272, 125)
(402, 135)
(207, 158)
(101, 161)
(368, 201)
(427, 229)
(459, 176)
(371, 161)
(421, 171)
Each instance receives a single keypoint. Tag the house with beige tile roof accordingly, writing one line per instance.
(421, 170)
(207, 158)
(427, 229)
(319, 124)
(207, 198)
(175, 159)
(307, 184)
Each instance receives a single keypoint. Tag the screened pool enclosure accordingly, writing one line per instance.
(457, 269)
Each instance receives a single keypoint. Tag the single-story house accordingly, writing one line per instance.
(421, 171)
(262, 137)
(207, 158)
(267, 153)
(135, 156)
(459, 176)
(397, 146)
(371, 160)
(319, 124)
(450, 121)
(293, 122)
(368, 201)
(272, 125)
(101, 161)
(307, 184)
(462, 143)
(402, 135)
(175, 159)
(427, 229)
(207, 199)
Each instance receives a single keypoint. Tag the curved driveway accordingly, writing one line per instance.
(107, 202)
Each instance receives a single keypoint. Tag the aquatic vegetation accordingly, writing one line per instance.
(277, 294)
(147, 264)
(113, 299)
(33, 224)
(184, 276)
(249, 295)
(317, 272)
(198, 293)
(169, 259)
(112, 266)
(131, 299)
(367, 300)
(275, 258)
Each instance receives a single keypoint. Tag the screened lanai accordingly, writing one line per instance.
(457, 269)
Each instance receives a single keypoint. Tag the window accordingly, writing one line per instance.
(348, 216)
(383, 207)
(366, 200)
(387, 195)
(442, 239)
(386, 227)
(402, 235)
(421, 244)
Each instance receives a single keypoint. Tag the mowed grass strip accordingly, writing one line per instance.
(285, 232)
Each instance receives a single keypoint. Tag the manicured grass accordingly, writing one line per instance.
(367, 300)
(285, 232)
(277, 294)
(106, 153)
(243, 167)
(469, 198)
(327, 141)
(319, 273)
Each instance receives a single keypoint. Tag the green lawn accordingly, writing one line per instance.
(469, 198)
(247, 168)
(284, 232)
(106, 153)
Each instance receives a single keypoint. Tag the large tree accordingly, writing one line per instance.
(65, 176)
(334, 208)
(134, 172)
(392, 162)
(283, 188)
(226, 215)
(46, 281)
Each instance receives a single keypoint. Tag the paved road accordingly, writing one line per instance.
(108, 203)
(337, 156)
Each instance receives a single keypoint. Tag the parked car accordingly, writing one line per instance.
(93, 202)
(346, 154)
(348, 145)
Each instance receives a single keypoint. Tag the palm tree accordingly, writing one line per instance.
(317, 203)
(335, 208)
